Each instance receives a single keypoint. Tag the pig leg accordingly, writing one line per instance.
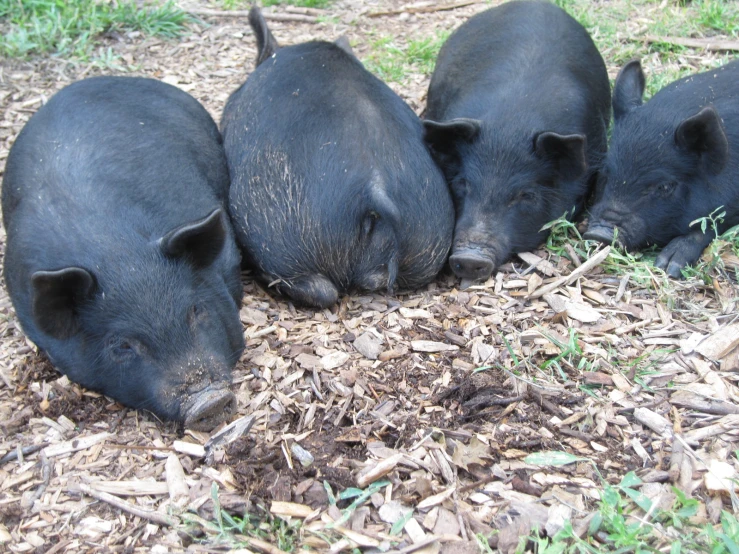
(682, 251)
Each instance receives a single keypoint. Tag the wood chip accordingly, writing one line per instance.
(74, 445)
(597, 378)
(582, 312)
(432, 346)
(290, 509)
(436, 498)
(368, 345)
(131, 488)
(189, 448)
(719, 344)
(378, 471)
(589, 264)
(175, 475)
(654, 421)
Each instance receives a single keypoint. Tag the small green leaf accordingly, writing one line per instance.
(639, 498)
(400, 524)
(351, 492)
(611, 497)
(729, 543)
(631, 479)
(595, 523)
(330, 493)
(510, 350)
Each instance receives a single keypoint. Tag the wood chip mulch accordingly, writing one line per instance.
(428, 401)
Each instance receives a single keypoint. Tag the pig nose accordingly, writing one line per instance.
(469, 265)
(208, 408)
(600, 232)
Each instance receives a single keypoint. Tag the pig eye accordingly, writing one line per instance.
(524, 197)
(122, 350)
(368, 224)
(195, 313)
(666, 188)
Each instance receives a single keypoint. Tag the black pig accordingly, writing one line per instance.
(332, 187)
(518, 109)
(120, 259)
(671, 161)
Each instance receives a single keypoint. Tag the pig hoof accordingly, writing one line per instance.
(601, 233)
(672, 267)
(209, 408)
(471, 266)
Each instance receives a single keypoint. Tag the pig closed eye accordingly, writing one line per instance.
(523, 198)
(121, 350)
(368, 224)
(196, 314)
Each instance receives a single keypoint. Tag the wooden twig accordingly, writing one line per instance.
(121, 504)
(244, 13)
(305, 11)
(262, 546)
(586, 266)
(425, 9)
(710, 44)
(25, 451)
(45, 478)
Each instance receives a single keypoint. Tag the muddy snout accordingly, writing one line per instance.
(471, 265)
(208, 408)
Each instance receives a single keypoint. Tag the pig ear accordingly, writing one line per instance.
(628, 89)
(266, 42)
(703, 134)
(56, 297)
(565, 152)
(443, 136)
(343, 43)
(200, 242)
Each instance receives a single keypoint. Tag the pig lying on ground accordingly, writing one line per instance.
(518, 108)
(671, 161)
(333, 189)
(120, 260)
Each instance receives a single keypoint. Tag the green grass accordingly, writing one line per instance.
(618, 36)
(72, 29)
(393, 62)
(720, 16)
(245, 4)
(627, 521)
(235, 532)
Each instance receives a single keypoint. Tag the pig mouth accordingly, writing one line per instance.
(208, 408)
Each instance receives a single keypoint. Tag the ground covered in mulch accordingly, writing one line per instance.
(388, 422)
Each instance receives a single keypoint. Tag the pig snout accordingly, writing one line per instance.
(471, 264)
(601, 232)
(208, 408)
